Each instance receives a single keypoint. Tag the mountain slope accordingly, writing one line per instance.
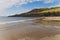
(40, 12)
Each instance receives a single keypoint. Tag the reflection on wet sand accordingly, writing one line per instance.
(27, 31)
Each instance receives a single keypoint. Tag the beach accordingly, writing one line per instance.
(28, 30)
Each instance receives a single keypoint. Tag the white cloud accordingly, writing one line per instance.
(48, 1)
(9, 3)
(58, 5)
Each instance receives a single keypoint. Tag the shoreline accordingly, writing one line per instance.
(17, 21)
(39, 20)
(28, 31)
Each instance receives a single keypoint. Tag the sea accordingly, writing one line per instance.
(5, 19)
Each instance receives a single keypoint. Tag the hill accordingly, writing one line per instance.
(55, 11)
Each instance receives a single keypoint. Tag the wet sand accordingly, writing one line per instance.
(28, 31)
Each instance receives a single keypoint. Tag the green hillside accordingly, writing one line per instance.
(52, 12)
(55, 11)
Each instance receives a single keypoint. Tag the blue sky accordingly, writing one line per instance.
(11, 7)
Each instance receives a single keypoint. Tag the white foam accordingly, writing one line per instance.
(14, 21)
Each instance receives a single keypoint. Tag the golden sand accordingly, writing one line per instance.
(51, 18)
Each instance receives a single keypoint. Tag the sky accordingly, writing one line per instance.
(11, 7)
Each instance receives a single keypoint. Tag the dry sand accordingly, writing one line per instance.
(28, 31)
(52, 18)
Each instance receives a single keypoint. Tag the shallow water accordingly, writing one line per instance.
(4, 19)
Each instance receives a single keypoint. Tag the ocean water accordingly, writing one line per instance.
(4, 20)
